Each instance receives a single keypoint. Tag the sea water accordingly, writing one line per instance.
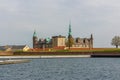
(63, 69)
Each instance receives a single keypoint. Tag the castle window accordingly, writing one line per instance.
(84, 41)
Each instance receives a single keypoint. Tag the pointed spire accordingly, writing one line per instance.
(91, 36)
(34, 34)
(70, 32)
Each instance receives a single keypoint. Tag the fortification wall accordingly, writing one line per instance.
(66, 53)
(6, 53)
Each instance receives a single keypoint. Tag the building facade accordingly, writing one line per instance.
(41, 43)
(62, 41)
(58, 41)
(83, 42)
(15, 48)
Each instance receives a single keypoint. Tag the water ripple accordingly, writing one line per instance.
(63, 69)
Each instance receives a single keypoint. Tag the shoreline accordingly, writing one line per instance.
(28, 55)
(44, 56)
(56, 56)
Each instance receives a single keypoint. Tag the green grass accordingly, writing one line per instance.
(92, 50)
(87, 50)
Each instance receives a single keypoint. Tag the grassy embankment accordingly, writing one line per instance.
(80, 50)
(67, 52)
(72, 52)
(90, 50)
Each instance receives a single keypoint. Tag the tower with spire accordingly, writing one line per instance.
(61, 41)
(35, 40)
(70, 32)
(70, 38)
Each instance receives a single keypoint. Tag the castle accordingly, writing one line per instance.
(62, 41)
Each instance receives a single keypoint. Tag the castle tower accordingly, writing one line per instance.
(91, 41)
(35, 40)
(70, 38)
(70, 32)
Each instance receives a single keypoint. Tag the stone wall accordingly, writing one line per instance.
(6, 53)
(52, 53)
(66, 53)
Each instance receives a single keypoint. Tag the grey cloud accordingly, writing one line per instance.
(51, 17)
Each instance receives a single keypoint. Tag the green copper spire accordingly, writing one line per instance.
(70, 32)
(70, 38)
(34, 34)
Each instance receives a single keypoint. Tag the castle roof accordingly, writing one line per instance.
(34, 34)
(58, 36)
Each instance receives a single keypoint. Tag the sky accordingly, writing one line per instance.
(19, 19)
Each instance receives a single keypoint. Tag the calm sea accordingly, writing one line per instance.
(63, 69)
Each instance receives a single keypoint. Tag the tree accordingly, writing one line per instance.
(116, 41)
(70, 41)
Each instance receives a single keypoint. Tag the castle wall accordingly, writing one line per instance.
(83, 43)
(58, 41)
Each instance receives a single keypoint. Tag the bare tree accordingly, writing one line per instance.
(116, 41)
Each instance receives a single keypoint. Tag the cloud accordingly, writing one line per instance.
(19, 18)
